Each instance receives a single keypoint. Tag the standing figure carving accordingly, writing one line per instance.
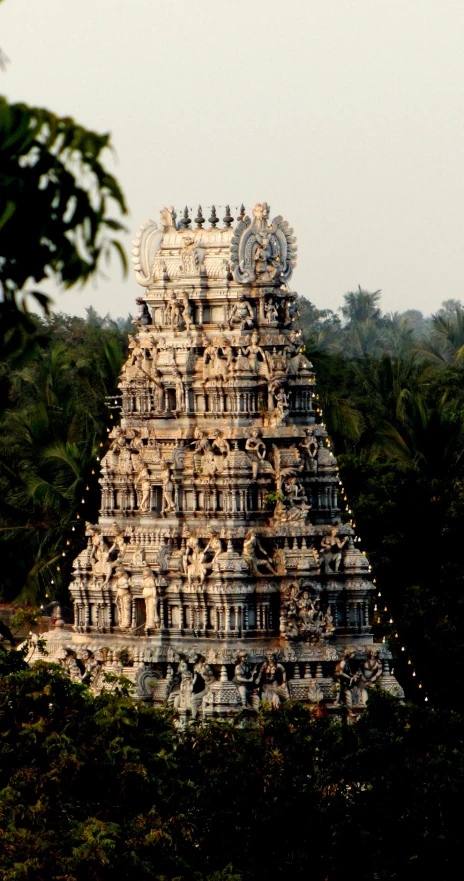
(123, 598)
(256, 449)
(168, 505)
(331, 551)
(150, 595)
(371, 671)
(347, 674)
(309, 448)
(272, 681)
(143, 478)
(180, 391)
(245, 679)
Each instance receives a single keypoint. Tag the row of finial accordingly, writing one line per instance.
(228, 220)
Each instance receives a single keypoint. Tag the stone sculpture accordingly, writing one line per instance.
(220, 560)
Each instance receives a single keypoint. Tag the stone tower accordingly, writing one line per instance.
(219, 573)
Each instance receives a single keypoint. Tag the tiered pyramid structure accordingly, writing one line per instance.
(220, 574)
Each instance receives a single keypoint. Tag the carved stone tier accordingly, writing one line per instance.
(220, 563)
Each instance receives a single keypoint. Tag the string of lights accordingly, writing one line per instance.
(377, 612)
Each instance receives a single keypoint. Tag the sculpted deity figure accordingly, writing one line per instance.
(103, 558)
(213, 547)
(291, 311)
(167, 505)
(256, 449)
(371, 671)
(245, 679)
(271, 312)
(204, 456)
(331, 551)
(187, 311)
(123, 598)
(168, 219)
(260, 215)
(272, 681)
(309, 448)
(221, 444)
(122, 455)
(158, 391)
(68, 659)
(164, 555)
(251, 549)
(178, 454)
(255, 354)
(143, 312)
(241, 313)
(203, 678)
(264, 253)
(282, 407)
(347, 674)
(150, 595)
(209, 356)
(143, 478)
(93, 668)
(180, 391)
(194, 561)
(172, 312)
(295, 358)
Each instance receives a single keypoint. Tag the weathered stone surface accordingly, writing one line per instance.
(219, 573)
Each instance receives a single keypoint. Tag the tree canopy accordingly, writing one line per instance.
(98, 787)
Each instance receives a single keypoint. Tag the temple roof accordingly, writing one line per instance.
(254, 251)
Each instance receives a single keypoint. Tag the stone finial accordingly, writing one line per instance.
(199, 219)
(185, 219)
(228, 219)
(214, 219)
(241, 216)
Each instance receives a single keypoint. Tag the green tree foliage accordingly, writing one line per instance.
(102, 788)
(51, 433)
(395, 408)
(56, 199)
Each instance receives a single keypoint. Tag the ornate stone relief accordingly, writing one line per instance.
(220, 564)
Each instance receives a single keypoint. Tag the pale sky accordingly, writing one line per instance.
(345, 115)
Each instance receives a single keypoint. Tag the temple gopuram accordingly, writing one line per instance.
(220, 574)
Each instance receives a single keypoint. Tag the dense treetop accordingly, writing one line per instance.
(100, 787)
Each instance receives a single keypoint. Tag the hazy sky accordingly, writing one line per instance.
(345, 115)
